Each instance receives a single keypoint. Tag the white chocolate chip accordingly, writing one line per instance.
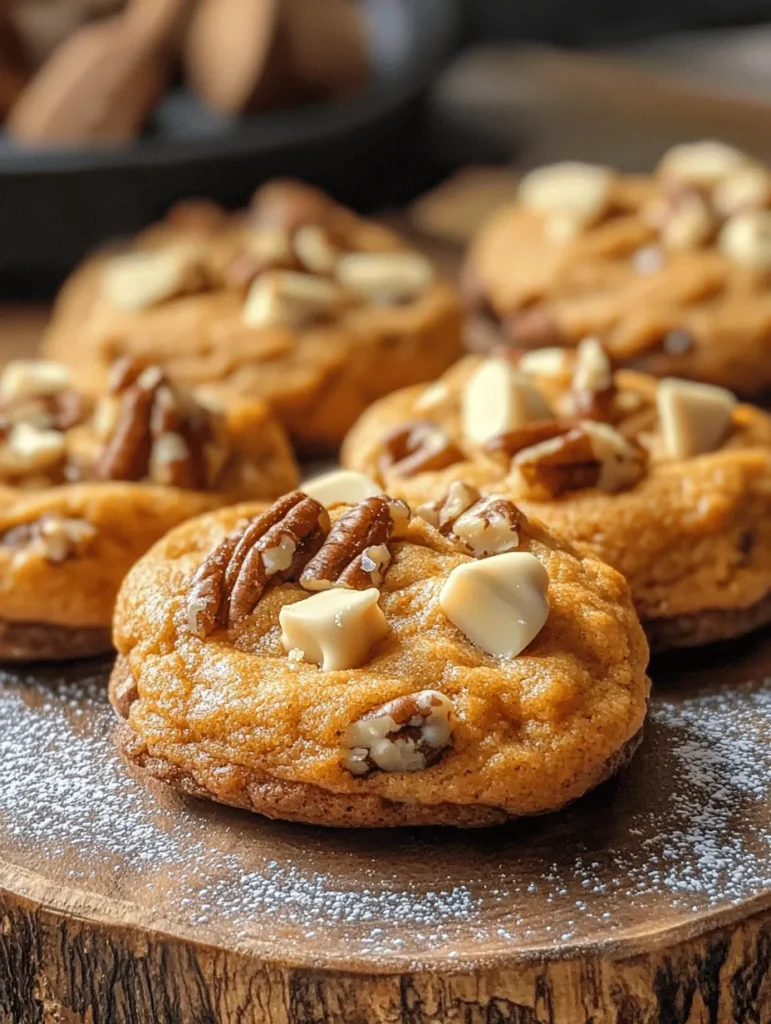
(746, 239)
(498, 398)
(284, 298)
(694, 418)
(335, 629)
(499, 603)
(385, 277)
(688, 224)
(33, 378)
(270, 244)
(433, 397)
(341, 486)
(544, 362)
(748, 188)
(702, 163)
(314, 250)
(142, 279)
(572, 194)
(593, 370)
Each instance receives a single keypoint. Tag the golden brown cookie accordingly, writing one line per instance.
(353, 667)
(87, 486)
(296, 301)
(669, 481)
(671, 272)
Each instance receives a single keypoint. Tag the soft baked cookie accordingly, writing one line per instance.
(668, 482)
(351, 666)
(86, 487)
(296, 301)
(671, 272)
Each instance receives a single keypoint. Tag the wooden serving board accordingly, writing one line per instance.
(648, 901)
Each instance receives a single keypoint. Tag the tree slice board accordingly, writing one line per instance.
(649, 900)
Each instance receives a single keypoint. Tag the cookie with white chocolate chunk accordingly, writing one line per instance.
(668, 481)
(89, 484)
(670, 271)
(295, 301)
(351, 664)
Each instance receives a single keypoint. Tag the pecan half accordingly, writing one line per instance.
(407, 734)
(356, 555)
(272, 547)
(417, 447)
(159, 432)
(483, 526)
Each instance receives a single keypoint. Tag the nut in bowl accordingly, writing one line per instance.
(89, 484)
(353, 665)
(668, 481)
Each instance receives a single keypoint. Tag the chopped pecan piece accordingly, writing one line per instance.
(39, 393)
(417, 447)
(587, 455)
(159, 433)
(356, 555)
(270, 548)
(532, 328)
(593, 389)
(484, 526)
(513, 441)
(55, 537)
(407, 734)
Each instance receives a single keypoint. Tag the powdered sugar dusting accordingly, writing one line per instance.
(686, 829)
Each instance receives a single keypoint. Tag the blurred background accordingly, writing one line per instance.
(114, 109)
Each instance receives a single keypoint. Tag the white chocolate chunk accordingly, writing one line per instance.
(284, 298)
(544, 362)
(433, 397)
(33, 378)
(748, 188)
(575, 194)
(314, 249)
(500, 603)
(138, 280)
(498, 398)
(593, 370)
(702, 163)
(335, 629)
(694, 418)
(341, 486)
(746, 239)
(270, 244)
(385, 277)
(689, 224)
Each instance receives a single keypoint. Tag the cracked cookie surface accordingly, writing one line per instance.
(233, 716)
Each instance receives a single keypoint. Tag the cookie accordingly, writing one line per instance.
(87, 486)
(670, 271)
(352, 666)
(296, 301)
(668, 481)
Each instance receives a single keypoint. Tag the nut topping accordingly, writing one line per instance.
(683, 218)
(356, 555)
(418, 447)
(748, 188)
(156, 431)
(407, 734)
(588, 455)
(484, 526)
(530, 434)
(38, 393)
(335, 630)
(26, 450)
(385, 278)
(314, 250)
(593, 389)
(55, 537)
(33, 378)
(500, 603)
(285, 298)
(270, 548)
